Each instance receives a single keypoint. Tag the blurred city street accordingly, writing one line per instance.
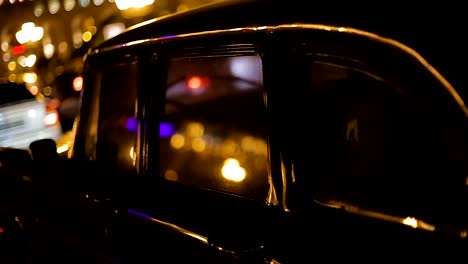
(43, 43)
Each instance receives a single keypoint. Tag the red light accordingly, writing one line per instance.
(78, 83)
(53, 105)
(1, 230)
(194, 83)
(17, 50)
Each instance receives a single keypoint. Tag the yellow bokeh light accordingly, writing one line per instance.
(198, 145)
(463, 234)
(29, 77)
(230, 148)
(87, 36)
(171, 175)
(177, 141)
(261, 147)
(47, 91)
(12, 65)
(12, 77)
(29, 32)
(195, 130)
(232, 170)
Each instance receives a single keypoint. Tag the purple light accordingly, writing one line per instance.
(166, 130)
(138, 213)
(168, 37)
(131, 124)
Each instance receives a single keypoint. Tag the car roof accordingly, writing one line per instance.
(430, 30)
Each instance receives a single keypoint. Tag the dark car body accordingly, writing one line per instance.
(249, 132)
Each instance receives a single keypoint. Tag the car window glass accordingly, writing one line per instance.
(213, 134)
(370, 145)
(86, 133)
(111, 126)
(118, 126)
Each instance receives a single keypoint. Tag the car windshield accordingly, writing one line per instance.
(13, 92)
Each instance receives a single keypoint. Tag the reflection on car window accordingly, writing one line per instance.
(214, 131)
(372, 147)
(117, 116)
(351, 132)
(111, 129)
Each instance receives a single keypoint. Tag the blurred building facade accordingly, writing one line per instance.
(41, 40)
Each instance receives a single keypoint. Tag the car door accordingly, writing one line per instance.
(206, 197)
(373, 149)
(103, 158)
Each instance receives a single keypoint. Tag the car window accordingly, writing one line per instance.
(373, 146)
(110, 130)
(348, 141)
(213, 134)
(12, 93)
(118, 126)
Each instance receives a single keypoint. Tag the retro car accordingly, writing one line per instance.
(258, 132)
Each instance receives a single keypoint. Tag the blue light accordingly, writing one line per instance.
(139, 213)
(131, 124)
(166, 130)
